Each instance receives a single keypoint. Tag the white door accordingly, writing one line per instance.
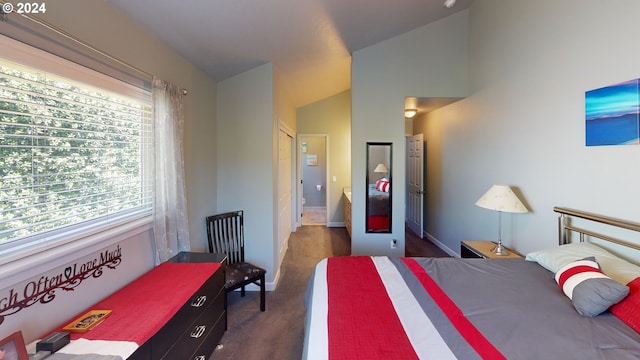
(284, 190)
(415, 183)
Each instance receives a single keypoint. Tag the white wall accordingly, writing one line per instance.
(102, 26)
(284, 118)
(523, 123)
(429, 62)
(245, 158)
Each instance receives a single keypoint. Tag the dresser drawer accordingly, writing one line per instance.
(213, 339)
(198, 305)
(200, 337)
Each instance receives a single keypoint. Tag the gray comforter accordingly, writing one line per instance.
(520, 308)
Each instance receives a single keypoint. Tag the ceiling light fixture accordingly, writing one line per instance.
(449, 3)
(409, 113)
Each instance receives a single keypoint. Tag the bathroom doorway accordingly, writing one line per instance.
(313, 164)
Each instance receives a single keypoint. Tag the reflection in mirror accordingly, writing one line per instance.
(378, 208)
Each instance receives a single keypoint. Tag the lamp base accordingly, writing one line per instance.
(500, 250)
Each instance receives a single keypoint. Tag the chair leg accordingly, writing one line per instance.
(262, 293)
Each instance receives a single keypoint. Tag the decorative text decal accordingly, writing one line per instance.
(43, 290)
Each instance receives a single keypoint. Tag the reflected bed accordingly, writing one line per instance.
(378, 209)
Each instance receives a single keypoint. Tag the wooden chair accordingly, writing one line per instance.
(225, 233)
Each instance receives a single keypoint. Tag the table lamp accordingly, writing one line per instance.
(381, 169)
(501, 199)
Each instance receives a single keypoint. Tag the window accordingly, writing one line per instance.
(74, 148)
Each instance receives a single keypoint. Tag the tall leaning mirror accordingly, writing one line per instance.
(379, 188)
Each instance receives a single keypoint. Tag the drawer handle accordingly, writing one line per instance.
(199, 301)
(198, 331)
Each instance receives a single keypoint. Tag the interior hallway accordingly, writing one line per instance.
(314, 216)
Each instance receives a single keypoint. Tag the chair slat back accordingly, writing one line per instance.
(225, 234)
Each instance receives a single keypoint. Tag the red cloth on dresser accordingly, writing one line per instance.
(143, 306)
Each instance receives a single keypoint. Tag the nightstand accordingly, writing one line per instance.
(482, 249)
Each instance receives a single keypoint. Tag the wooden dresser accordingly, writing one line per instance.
(196, 329)
(347, 210)
(177, 310)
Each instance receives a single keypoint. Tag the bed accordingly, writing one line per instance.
(555, 304)
(378, 205)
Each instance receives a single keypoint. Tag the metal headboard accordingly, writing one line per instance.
(565, 227)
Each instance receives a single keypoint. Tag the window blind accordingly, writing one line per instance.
(74, 148)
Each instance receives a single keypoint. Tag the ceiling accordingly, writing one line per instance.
(310, 42)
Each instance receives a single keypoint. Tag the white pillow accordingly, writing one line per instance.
(616, 268)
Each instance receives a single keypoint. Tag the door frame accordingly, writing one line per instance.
(299, 179)
(420, 192)
(282, 127)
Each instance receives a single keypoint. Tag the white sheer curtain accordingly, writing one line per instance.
(170, 226)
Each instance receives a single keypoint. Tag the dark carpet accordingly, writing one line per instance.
(278, 332)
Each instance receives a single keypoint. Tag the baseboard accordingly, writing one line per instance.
(441, 245)
(336, 224)
(283, 250)
(270, 286)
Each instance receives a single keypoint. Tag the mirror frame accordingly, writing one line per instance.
(367, 195)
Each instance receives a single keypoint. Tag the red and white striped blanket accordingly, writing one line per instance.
(388, 302)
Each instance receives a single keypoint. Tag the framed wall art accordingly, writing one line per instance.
(312, 160)
(87, 321)
(612, 114)
(12, 347)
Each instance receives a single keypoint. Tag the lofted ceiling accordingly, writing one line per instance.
(310, 42)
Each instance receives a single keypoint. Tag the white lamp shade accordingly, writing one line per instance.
(380, 169)
(501, 198)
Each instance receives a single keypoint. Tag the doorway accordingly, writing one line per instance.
(313, 178)
(415, 184)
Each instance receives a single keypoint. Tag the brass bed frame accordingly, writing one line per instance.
(565, 228)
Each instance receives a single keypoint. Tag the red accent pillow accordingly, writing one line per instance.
(627, 309)
(382, 185)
